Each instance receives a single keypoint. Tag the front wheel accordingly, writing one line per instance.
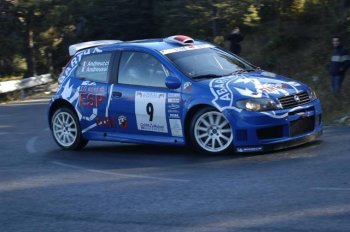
(66, 130)
(211, 132)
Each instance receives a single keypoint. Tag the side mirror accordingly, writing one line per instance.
(172, 82)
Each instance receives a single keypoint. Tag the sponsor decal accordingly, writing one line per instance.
(186, 48)
(258, 88)
(272, 88)
(176, 127)
(155, 127)
(173, 111)
(74, 64)
(150, 111)
(223, 96)
(88, 83)
(90, 100)
(187, 86)
(149, 95)
(174, 115)
(95, 66)
(173, 106)
(123, 122)
(249, 149)
(92, 89)
(109, 122)
(174, 95)
(173, 100)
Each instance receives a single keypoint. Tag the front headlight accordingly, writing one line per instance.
(257, 104)
(312, 94)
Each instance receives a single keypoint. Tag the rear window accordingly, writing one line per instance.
(94, 67)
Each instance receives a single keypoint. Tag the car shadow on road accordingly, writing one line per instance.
(115, 155)
(133, 155)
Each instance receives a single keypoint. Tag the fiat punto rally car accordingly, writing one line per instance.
(178, 91)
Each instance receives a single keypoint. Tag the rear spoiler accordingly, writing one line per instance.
(77, 47)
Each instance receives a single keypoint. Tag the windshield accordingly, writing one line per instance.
(208, 63)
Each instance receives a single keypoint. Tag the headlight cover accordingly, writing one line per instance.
(257, 104)
(312, 94)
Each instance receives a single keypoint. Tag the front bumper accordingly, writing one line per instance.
(281, 145)
(257, 131)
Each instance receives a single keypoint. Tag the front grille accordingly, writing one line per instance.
(270, 132)
(242, 135)
(292, 100)
(302, 126)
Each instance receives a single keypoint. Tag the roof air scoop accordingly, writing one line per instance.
(180, 39)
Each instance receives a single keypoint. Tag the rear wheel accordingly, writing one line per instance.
(211, 131)
(66, 130)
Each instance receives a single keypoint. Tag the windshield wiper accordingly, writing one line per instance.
(239, 72)
(206, 76)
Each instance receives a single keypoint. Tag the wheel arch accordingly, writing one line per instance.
(59, 103)
(190, 114)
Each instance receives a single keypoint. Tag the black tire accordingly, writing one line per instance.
(66, 130)
(210, 132)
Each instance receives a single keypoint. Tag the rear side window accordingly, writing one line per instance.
(94, 67)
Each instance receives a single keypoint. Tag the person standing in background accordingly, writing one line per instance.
(340, 60)
(235, 38)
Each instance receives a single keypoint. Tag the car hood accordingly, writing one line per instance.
(255, 84)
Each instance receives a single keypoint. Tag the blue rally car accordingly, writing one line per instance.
(178, 91)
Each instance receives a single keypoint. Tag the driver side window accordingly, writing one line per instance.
(139, 68)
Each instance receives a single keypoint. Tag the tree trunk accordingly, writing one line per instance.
(29, 45)
(215, 26)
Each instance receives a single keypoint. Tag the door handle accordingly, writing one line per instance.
(116, 94)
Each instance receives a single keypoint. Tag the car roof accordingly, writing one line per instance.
(160, 44)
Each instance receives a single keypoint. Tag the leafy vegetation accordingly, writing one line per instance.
(291, 37)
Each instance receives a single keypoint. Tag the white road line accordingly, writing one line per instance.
(251, 222)
(117, 174)
(36, 100)
(330, 189)
(30, 145)
(26, 103)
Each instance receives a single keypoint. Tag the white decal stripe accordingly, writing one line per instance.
(273, 113)
(109, 99)
(216, 97)
(89, 128)
(291, 84)
(231, 93)
(186, 48)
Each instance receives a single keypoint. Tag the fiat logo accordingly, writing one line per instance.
(296, 98)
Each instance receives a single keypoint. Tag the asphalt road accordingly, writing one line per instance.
(120, 187)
